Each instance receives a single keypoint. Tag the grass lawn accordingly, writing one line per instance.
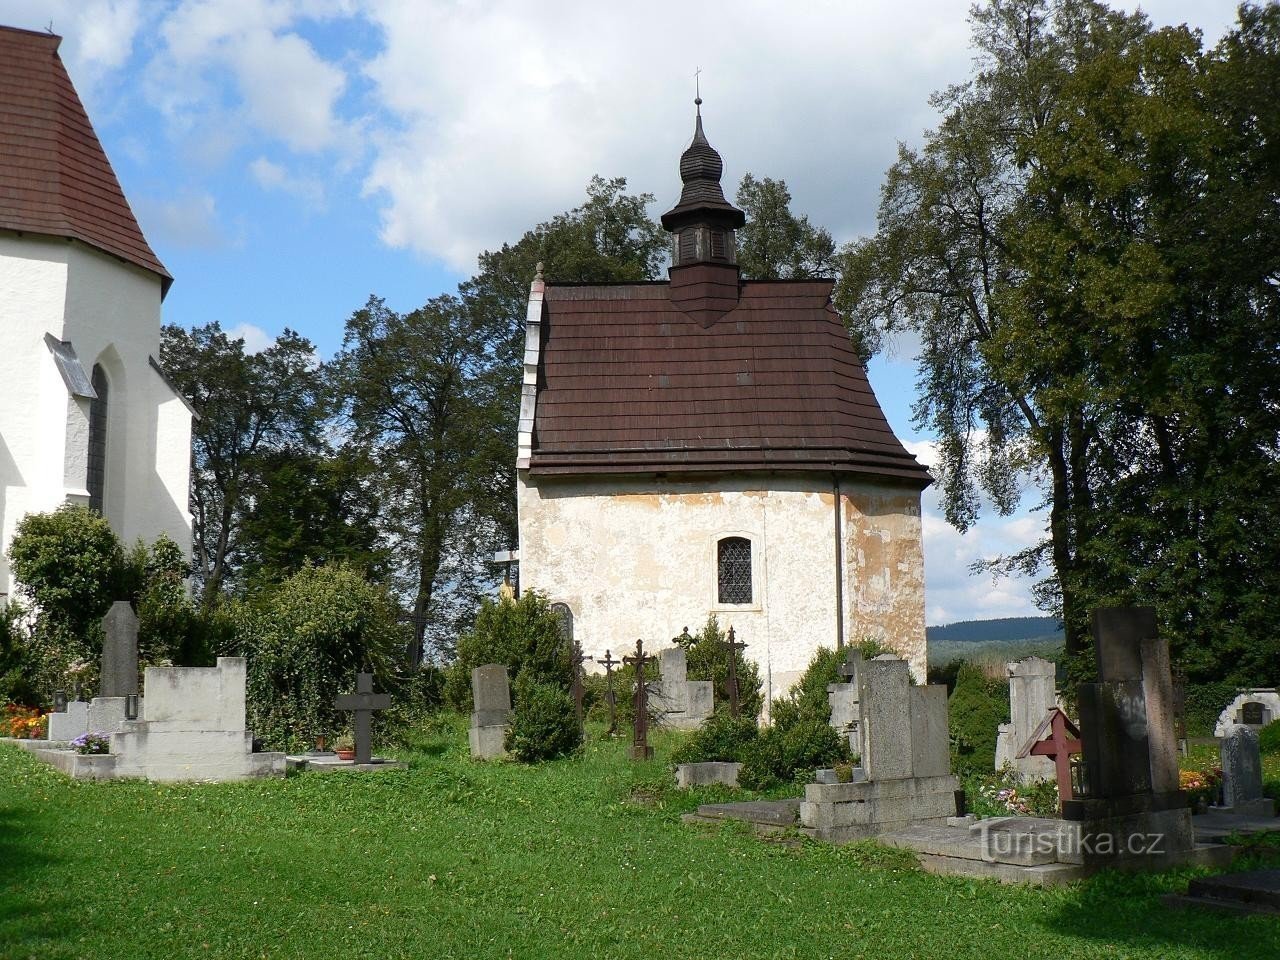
(583, 857)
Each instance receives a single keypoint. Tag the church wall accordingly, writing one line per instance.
(110, 312)
(637, 558)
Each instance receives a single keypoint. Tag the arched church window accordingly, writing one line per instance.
(564, 615)
(97, 472)
(733, 556)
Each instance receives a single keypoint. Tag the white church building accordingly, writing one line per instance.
(709, 444)
(87, 415)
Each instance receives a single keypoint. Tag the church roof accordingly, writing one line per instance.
(55, 178)
(627, 382)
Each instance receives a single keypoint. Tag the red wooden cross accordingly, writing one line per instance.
(1058, 739)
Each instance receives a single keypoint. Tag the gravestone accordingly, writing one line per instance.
(491, 693)
(69, 723)
(1031, 697)
(119, 651)
(1254, 707)
(1242, 774)
(904, 743)
(362, 703)
(676, 700)
(843, 698)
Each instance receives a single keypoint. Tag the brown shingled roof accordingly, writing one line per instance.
(628, 383)
(55, 178)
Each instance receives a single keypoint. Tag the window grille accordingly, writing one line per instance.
(96, 480)
(734, 570)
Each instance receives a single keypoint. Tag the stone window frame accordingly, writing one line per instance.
(756, 540)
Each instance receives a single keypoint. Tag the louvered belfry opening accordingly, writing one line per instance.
(97, 460)
(733, 573)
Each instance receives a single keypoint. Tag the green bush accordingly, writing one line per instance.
(306, 639)
(15, 658)
(1204, 703)
(69, 564)
(543, 724)
(723, 738)
(976, 708)
(1269, 738)
(708, 659)
(783, 754)
(523, 635)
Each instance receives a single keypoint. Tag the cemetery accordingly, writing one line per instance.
(387, 652)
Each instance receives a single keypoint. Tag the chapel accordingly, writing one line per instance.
(711, 444)
(87, 414)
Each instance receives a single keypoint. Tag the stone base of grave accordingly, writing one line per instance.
(765, 817)
(638, 752)
(839, 812)
(331, 764)
(146, 749)
(1215, 826)
(705, 774)
(1149, 829)
(488, 742)
(1265, 807)
(1256, 891)
(174, 767)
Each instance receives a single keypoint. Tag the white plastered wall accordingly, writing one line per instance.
(110, 312)
(636, 558)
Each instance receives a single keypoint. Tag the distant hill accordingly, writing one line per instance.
(1004, 630)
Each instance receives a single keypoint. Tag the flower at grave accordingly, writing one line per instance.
(24, 723)
(94, 742)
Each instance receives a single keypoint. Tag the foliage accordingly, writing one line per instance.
(15, 657)
(1086, 248)
(68, 564)
(172, 629)
(976, 708)
(253, 407)
(93, 742)
(305, 640)
(557, 860)
(523, 635)
(775, 244)
(543, 723)
(786, 753)
(1205, 703)
(707, 658)
(1201, 786)
(722, 737)
(999, 793)
(1269, 738)
(22, 723)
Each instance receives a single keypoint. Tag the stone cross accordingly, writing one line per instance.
(1058, 739)
(363, 702)
(733, 646)
(576, 659)
(119, 651)
(610, 697)
(640, 749)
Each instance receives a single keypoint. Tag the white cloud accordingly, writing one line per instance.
(189, 222)
(274, 176)
(98, 35)
(255, 338)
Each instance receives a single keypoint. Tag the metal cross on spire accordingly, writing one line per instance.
(697, 89)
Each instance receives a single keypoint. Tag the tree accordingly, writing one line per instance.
(775, 244)
(1055, 244)
(250, 405)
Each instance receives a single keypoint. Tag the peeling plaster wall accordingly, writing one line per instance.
(636, 558)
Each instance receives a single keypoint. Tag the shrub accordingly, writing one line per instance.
(16, 658)
(172, 629)
(781, 754)
(68, 563)
(708, 659)
(976, 708)
(305, 639)
(543, 724)
(722, 738)
(1269, 738)
(1205, 703)
(92, 743)
(523, 635)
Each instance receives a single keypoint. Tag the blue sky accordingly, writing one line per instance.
(288, 158)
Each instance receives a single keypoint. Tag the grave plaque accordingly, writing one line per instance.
(1253, 714)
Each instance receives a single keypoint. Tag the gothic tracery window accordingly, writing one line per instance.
(733, 570)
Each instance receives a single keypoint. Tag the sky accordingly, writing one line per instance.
(289, 158)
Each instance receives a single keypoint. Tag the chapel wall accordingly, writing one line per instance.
(637, 558)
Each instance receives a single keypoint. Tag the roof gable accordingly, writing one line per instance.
(55, 178)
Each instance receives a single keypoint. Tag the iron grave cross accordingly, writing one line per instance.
(610, 697)
(363, 702)
(640, 749)
(733, 647)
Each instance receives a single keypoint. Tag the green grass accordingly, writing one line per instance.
(584, 857)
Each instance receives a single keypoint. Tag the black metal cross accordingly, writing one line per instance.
(610, 697)
(733, 646)
(577, 658)
(640, 749)
(363, 702)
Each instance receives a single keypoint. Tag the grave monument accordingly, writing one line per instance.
(491, 693)
(1031, 697)
(677, 701)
